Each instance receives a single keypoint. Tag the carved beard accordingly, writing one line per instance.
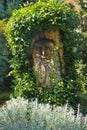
(42, 53)
(42, 70)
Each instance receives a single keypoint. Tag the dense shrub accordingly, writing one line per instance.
(22, 27)
(18, 114)
(13, 115)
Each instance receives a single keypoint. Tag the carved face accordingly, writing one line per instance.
(42, 53)
(47, 53)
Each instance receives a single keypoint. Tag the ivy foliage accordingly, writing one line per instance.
(22, 27)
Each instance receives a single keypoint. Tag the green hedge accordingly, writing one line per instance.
(22, 27)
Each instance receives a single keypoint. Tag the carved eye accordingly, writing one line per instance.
(36, 47)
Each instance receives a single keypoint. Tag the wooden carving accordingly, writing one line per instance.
(47, 53)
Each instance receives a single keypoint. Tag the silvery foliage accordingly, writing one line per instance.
(18, 114)
(13, 114)
(45, 117)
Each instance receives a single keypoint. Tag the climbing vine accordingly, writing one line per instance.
(22, 27)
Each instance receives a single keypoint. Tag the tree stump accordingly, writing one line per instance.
(48, 59)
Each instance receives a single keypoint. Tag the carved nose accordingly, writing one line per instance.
(43, 52)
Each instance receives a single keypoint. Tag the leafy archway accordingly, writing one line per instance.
(24, 24)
